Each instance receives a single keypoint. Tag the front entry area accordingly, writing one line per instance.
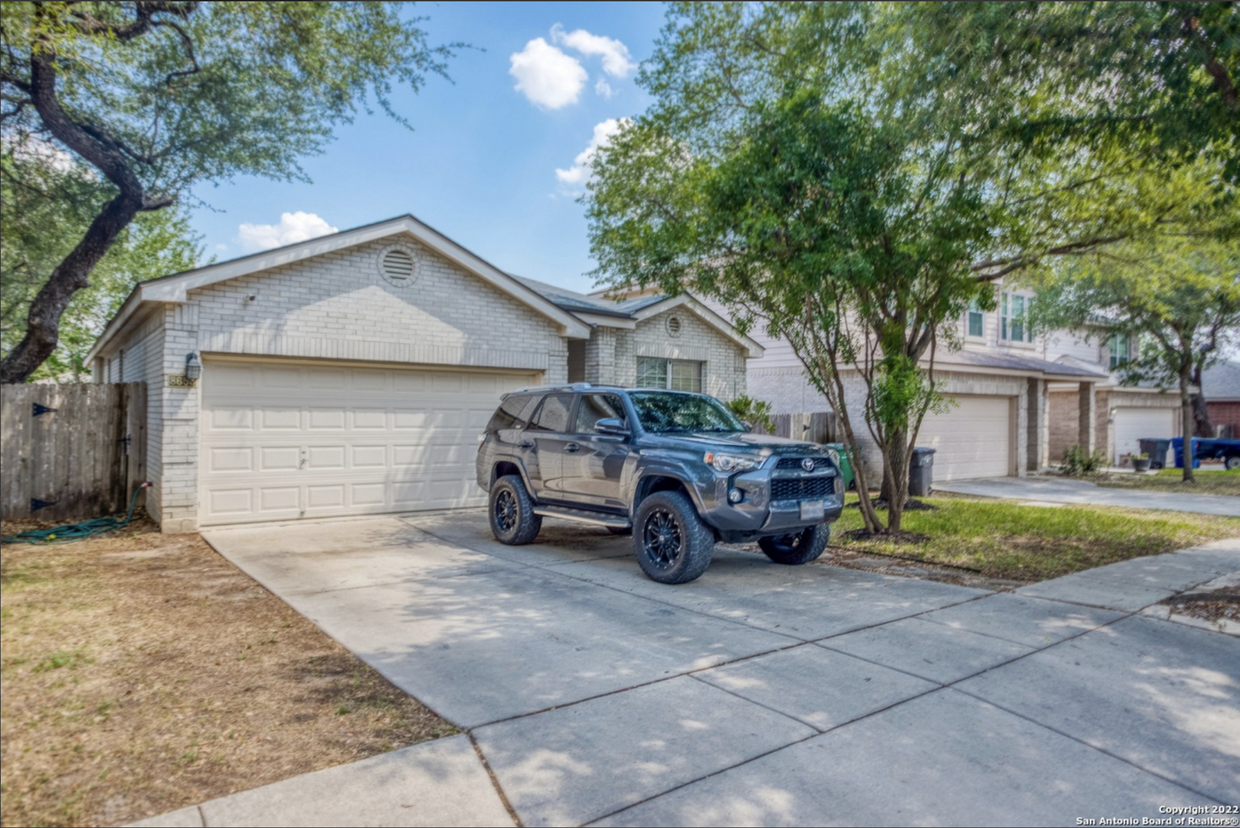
(284, 440)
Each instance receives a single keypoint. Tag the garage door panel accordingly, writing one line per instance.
(374, 419)
(233, 459)
(279, 419)
(289, 378)
(368, 457)
(321, 441)
(331, 419)
(972, 440)
(282, 499)
(232, 418)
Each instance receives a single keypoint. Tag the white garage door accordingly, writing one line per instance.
(282, 441)
(1133, 424)
(971, 440)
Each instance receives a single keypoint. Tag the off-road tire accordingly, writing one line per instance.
(672, 544)
(1232, 462)
(797, 548)
(511, 512)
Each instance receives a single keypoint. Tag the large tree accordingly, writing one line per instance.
(1178, 300)
(158, 97)
(47, 202)
(815, 168)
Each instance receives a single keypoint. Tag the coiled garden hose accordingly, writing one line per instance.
(76, 531)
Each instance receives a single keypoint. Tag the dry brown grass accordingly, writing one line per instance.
(143, 673)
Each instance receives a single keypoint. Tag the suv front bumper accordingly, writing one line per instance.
(758, 513)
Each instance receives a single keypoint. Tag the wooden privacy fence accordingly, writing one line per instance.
(71, 452)
(816, 428)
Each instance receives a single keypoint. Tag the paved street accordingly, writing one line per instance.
(761, 694)
(1050, 490)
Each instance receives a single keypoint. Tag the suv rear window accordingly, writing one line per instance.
(513, 412)
(553, 414)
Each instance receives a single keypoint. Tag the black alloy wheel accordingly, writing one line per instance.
(661, 539)
(505, 511)
(672, 544)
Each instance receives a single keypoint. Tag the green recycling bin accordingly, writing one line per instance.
(845, 462)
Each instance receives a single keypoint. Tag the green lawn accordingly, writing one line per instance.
(1033, 543)
(1207, 481)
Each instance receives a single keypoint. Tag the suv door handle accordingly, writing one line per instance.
(572, 447)
(526, 444)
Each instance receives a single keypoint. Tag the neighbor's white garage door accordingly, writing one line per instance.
(1133, 424)
(971, 440)
(282, 441)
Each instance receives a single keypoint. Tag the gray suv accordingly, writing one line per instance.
(677, 470)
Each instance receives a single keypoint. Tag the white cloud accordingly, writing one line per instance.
(32, 148)
(293, 228)
(579, 173)
(616, 59)
(603, 88)
(546, 76)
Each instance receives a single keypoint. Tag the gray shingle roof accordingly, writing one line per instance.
(1017, 363)
(572, 301)
(1221, 382)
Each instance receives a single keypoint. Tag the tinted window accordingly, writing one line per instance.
(668, 412)
(595, 407)
(513, 412)
(553, 414)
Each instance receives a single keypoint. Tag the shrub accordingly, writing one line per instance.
(1076, 462)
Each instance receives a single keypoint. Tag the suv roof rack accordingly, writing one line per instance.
(576, 386)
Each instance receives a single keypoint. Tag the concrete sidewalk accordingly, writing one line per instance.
(1061, 490)
(757, 695)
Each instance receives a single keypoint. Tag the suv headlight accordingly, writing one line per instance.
(835, 457)
(729, 463)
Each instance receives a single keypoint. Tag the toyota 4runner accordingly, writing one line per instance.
(677, 470)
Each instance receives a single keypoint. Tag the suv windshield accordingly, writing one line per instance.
(664, 412)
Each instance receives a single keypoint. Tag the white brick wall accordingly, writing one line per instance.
(335, 306)
(724, 361)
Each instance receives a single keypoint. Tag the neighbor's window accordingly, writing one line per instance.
(673, 374)
(1119, 350)
(1014, 318)
(976, 320)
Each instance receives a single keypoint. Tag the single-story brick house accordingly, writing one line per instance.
(352, 373)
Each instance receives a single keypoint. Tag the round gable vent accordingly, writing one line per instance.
(398, 266)
(673, 326)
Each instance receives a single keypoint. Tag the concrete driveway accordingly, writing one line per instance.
(1067, 491)
(763, 694)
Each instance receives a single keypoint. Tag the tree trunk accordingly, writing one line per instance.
(895, 458)
(70, 276)
(1201, 415)
(1186, 422)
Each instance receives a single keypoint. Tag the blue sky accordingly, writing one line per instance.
(480, 165)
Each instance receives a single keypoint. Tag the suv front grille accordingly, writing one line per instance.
(795, 463)
(806, 488)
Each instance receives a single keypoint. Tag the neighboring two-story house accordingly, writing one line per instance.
(1123, 414)
(1018, 399)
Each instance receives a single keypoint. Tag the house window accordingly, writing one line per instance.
(976, 321)
(676, 374)
(1119, 350)
(1014, 318)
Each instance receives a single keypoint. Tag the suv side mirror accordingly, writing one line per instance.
(613, 426)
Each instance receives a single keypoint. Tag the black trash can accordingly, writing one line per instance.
(920, 472)
(1157, 450)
